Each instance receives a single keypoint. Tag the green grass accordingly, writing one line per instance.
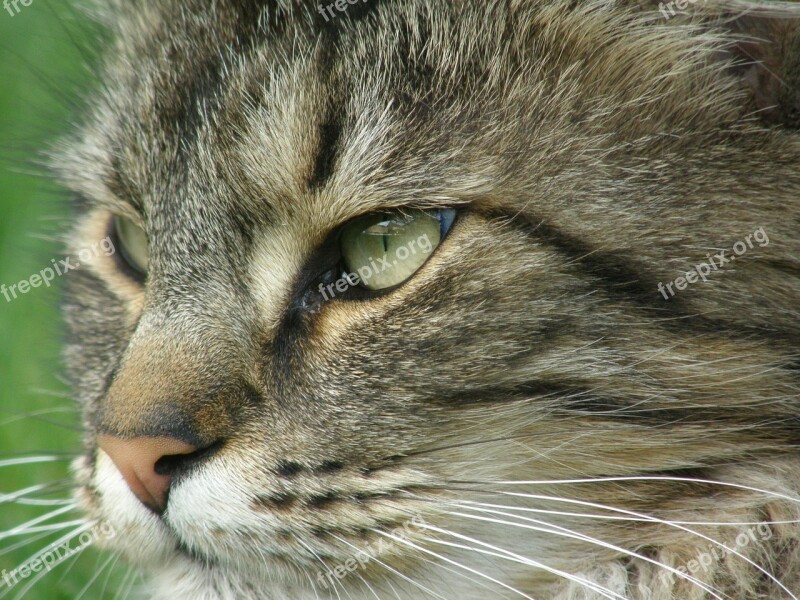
(42, 65)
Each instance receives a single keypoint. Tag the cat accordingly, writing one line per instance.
(441, 298)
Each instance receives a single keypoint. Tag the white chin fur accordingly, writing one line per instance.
(136, 531)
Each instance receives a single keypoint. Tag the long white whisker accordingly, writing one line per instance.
(30, 585)
(49, 548)
(391, 569)
(36, 502)
(36, 413)
(595, 516)
(137, 580)
(65, 538)
(606, 593)
(28, 460)
(126, 584)
(322, 562)
(56, 394)
(108, 578)
(369, 587)
(452, 562)
(66, 571)
(569, 533)
(23, 543)
(651, 519)
(14, 496)
(95, 577)
(524, 560)
(441, 566)
(396, 595)
(639, 478)
(21, 529)
(311, 583)
(47, 528)
(450, 570)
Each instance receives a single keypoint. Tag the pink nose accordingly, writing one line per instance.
(136, 459)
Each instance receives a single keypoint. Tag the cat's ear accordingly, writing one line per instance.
(765, 48)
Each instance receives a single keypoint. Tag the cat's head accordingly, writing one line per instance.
(377, 264)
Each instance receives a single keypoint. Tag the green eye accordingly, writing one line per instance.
(385, 249)
(132, 242)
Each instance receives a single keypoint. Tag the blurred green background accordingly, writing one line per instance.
(45, 68)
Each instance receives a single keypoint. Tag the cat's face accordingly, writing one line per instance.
(517, 180)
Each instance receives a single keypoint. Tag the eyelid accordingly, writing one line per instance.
(119, 208)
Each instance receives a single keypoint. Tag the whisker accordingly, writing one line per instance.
(57, 488)
(35, 502)
(396, 595)
(23, 528)
(27, 460)
(450, 570)
(369, 587)
(126, 584)
(395, 571)
(66, 571)
(595, 516)
(452, 562)
(37, 415)
(24, 543)
(648, 518)
(569, 533)
(43, 528)
(311, 583)
(49, 548)
(459, 445)
(605, 592)
(108, 577)
(57, 394)
(70, 536)
(638, 478)
(568, 576)
(95, 577)
(13, 497)
(322, 562)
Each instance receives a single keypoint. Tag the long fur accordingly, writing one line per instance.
(594, 150)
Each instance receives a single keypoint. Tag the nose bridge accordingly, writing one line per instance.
(171, 382)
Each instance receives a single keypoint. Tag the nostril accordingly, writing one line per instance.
(171, 465)
(149, 464)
